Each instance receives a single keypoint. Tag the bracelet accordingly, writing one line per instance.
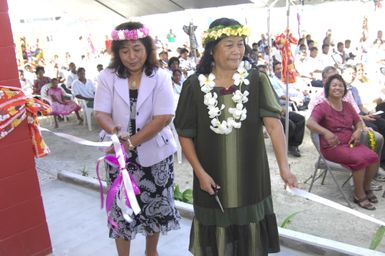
(130, 145)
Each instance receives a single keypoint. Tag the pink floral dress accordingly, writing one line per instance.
(58, 106)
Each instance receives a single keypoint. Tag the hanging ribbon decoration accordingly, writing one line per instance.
(377, 4)
(14, 108)
(283, 42)
(124, 188)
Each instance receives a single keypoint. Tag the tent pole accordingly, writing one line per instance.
(287, 84)
(270, 64)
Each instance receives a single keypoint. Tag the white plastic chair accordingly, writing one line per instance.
(87, 112)
(44, 96)
(44, 93)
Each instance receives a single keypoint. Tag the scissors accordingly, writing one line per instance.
(216, 190)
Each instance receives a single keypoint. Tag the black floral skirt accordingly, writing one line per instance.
(156, 200)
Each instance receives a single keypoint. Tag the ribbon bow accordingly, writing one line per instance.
(124, 188)
(14, 108)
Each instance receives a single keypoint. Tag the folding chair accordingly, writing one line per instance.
(327, 167)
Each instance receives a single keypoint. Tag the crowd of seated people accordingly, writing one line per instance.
(361, 63)
(62, 95)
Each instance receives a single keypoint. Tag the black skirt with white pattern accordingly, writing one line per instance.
(156, 200)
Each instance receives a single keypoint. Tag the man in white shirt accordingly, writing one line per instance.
(296, 121)
(339, 55)
(185, 63)
(72, 75)
(84, 88)
(325, 57)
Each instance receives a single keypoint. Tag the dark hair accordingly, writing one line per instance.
(329, 81)
(326, 70)
(275, 63)
(175, 71)
(80, 70)
(151, 63)
(171, 60)
(310, 42)
(313, 49)
(162, 52)
(39, 68)
(183, 50)
(347, 66)
(205, 65)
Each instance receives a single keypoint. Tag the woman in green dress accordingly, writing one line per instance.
(219, 119)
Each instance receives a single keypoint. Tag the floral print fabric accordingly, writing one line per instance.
(158, 212)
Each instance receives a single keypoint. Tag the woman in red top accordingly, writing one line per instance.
(340, 130)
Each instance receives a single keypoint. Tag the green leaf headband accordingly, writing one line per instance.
(220, 31)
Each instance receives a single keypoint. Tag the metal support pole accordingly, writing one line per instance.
(287, 74)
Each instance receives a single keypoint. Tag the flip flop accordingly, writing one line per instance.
(380, 178)
(371, 196)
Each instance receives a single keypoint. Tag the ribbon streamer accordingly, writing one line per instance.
(124, 188)
(324, 201)
(78, 140)
(126, 181)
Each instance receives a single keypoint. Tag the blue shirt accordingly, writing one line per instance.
(355, 94)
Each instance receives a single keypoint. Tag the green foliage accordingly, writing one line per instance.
(84, 171)
(288, 219)
(185, 196)
(377, 238)
(188, 196)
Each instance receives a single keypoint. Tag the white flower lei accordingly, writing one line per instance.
(210, 100)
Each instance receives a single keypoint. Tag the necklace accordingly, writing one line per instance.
(132, 85)
(238, 114)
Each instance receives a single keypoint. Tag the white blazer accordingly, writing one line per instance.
(155, 97)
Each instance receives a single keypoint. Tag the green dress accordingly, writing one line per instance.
(238, 164)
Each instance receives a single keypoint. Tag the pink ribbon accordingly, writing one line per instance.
(118, 185)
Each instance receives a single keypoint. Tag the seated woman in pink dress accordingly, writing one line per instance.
(340, 130)
(60, 105)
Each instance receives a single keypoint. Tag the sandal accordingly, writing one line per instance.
(371, 196)
(364, 203)
(380, 178)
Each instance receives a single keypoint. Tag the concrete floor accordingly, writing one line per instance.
(77, 225)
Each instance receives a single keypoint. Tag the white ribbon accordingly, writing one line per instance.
(78, 140)
(324, 201)
(127, 188)
(126, 178)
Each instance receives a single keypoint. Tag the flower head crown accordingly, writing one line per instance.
(220, 31)
(130, 34)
